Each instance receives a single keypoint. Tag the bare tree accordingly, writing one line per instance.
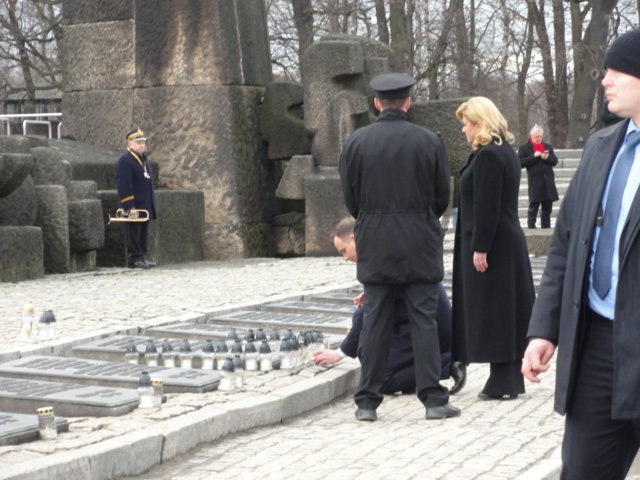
(303, 19)
(30, 33)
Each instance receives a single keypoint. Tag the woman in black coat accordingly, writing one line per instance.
(492, 283)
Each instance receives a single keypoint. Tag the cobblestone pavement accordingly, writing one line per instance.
(491, 440)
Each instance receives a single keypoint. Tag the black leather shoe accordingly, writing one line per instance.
(459, 375)
(139, 264)
(150, 264)
(366, 415)
(489, 396)
(442, 412)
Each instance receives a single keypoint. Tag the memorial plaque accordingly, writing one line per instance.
(341, 297)
(112, 374)
(197, 331)
(18, 428)
(69, 400)
(298, 306)
(295, 321)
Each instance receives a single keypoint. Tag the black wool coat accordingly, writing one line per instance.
(542, 182)
(559, 311)
(490, 310)
(395, 180)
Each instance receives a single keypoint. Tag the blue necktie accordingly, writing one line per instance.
(606, 241)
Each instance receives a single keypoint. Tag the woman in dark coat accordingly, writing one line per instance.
(492, 283)
(539, 159)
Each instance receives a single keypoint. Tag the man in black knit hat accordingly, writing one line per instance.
(588, 304)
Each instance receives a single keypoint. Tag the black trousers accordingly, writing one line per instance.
(505, 378)
(595, 446)
(137, 238)
(421, 301)
(545, 214)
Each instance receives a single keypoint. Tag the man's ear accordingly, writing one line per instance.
(376, 104)
(407, 104)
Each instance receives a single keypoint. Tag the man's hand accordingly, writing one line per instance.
(536, 358)
(480, 261)
(359, 300)
(326, 357)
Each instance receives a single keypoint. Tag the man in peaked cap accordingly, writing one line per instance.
(395, 180)
(588, 305)
(134, 182)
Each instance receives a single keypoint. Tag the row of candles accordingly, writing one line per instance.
(292, 351)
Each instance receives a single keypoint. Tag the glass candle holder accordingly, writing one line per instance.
(266, 359)
(208, 356)
(250, 357)
(227, 376)
(157, 385)
(145, 391)
(168, 354)
(151, 354)
(131, 354)
(185, 354)
(46, 423)
(239, 368)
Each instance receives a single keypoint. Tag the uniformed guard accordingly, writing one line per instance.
(395, 180)
(134, 182)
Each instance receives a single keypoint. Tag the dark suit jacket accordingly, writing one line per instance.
(558, 313)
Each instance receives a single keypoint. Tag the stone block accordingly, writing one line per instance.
(21, 253)
(185, 432)
(21, 206)
(440, 115)
(254, 412)
(21, 143)
(49, 168)
(238, 241)
(201, 42)
(90, 11)
(101, 118)
(53, 218)
(288, 234)
(304, 396)
(113, 253)
(86, 225)
(82, 190)
(324, 208)
(538, 240)
(83, 261)
(282, 122)
(99, 56)
(14, 168)
(291, 186)
(178, 233)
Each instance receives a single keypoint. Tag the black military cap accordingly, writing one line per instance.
(135, 135)
(390, 86)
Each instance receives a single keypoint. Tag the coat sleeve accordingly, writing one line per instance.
(349, 345)
(526, 156)
(551, 159)
(442, 180)
(124, 184)
(488, 174)
(347, 183)
(545, 317)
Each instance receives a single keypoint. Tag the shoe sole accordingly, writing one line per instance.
(442, 417)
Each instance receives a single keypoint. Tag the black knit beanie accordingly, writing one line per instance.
(624, 54)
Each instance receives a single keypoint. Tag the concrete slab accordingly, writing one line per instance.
(69, 400)
(95, 372)
(297, 321)
(18, 428)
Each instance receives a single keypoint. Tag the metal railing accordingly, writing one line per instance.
(33, 119)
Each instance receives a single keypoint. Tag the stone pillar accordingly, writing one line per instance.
(191, 74)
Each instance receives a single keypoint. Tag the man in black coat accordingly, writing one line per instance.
(538, 158)
(395, 180)
(589, 299)
(134, 182)
(399, 375)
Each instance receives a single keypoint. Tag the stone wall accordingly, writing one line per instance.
(191, 75)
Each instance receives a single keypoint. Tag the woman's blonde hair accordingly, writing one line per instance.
(484, 111)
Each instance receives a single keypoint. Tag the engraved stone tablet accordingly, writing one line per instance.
(18, 428)
(297, 306)
(295, 321)
(96, 372)
(70, 400)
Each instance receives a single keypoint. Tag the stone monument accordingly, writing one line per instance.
(192, 75)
